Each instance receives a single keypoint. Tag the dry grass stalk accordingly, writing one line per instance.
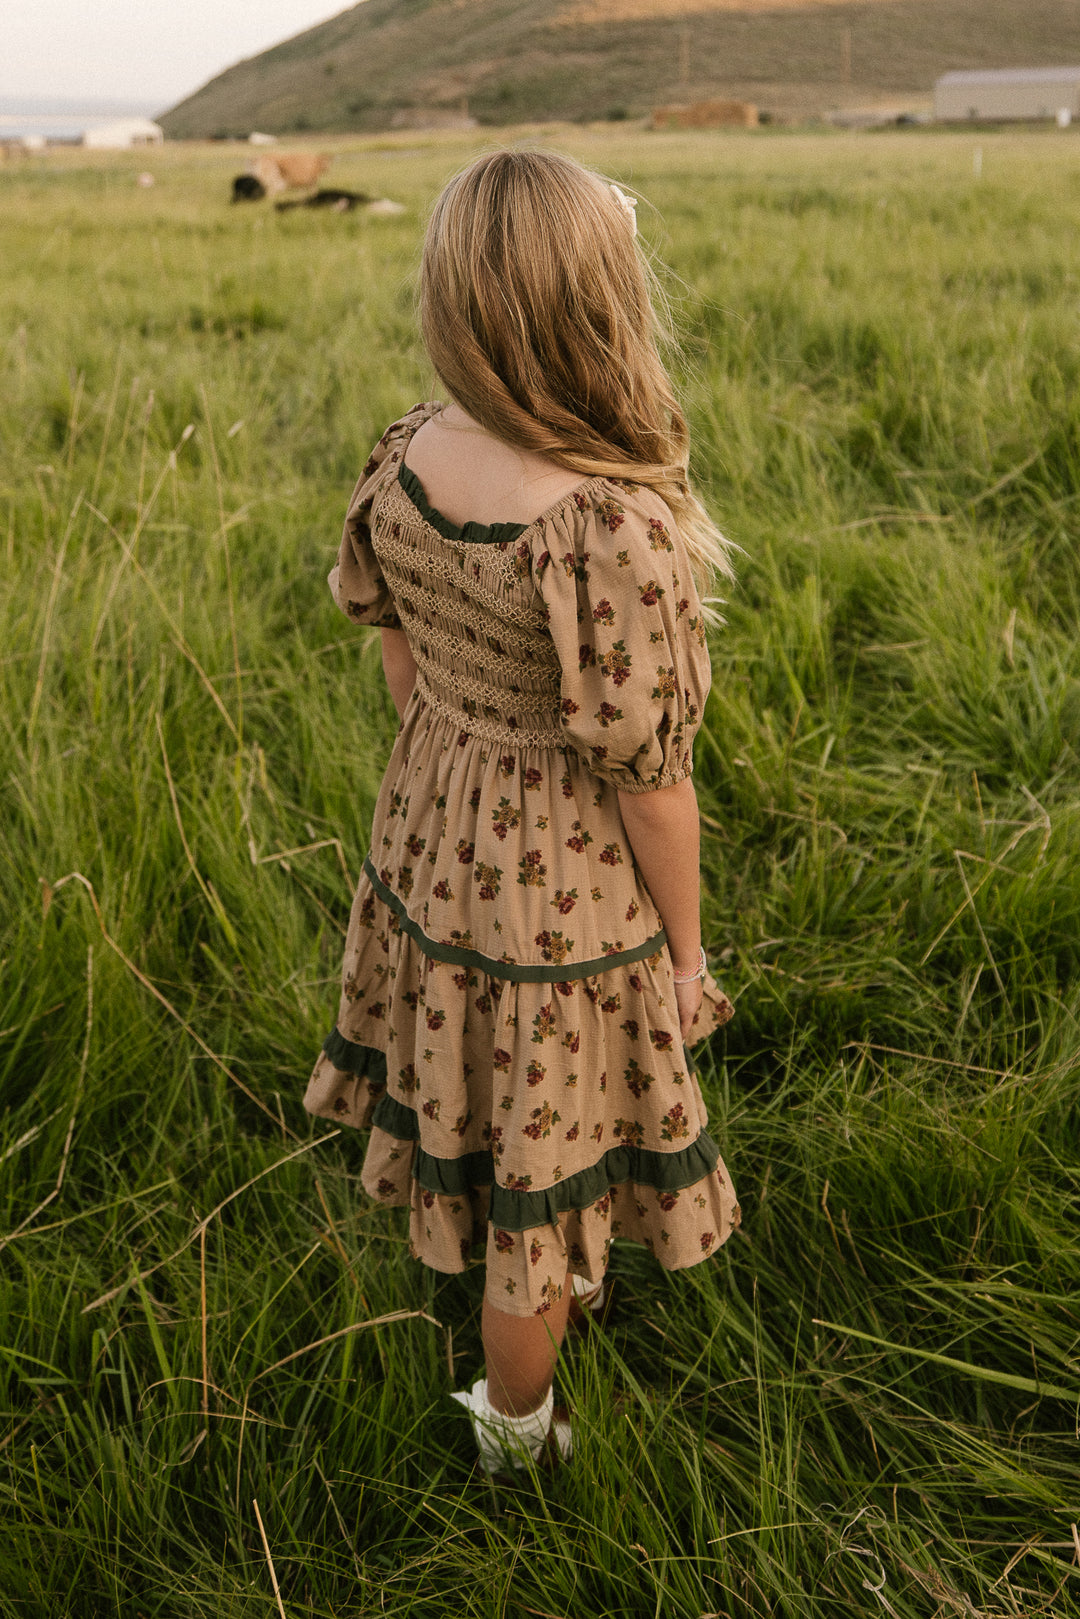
(270, 1562)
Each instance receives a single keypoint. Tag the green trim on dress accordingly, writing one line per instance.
(523, 1210)
(517, 972)
(469, 533)
(363, 1062)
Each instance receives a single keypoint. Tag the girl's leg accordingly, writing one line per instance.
(521, 1352)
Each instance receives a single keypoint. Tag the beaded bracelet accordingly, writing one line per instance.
(699, 971)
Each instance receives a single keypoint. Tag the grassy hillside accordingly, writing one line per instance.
(392, 61)
(867, 1405)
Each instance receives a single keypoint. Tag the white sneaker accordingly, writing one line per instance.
(513, 1442)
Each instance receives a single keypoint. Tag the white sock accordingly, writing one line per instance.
(505, 1440)
(590, 1294)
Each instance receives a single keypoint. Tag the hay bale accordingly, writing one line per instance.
(707, 115)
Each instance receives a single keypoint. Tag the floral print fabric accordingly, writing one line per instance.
(507, 1019)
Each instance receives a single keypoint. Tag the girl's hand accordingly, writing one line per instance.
(688, 998)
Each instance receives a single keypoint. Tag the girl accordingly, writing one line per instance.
(523, 965)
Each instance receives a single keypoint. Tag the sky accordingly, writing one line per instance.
(145, 53)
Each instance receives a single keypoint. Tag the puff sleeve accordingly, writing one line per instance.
(628, 628)
(356, 580)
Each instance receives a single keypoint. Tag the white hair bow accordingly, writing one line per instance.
(628, 206)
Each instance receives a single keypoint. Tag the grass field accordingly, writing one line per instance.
(868, 1404)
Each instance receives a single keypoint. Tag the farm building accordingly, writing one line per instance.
(1003, 93)
(117, 134)
(72, 129)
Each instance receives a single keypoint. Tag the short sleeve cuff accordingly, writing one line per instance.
(626, 782)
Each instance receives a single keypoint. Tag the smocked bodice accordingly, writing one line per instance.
(475, 622)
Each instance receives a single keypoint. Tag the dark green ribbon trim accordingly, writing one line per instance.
(518, 972)
(522, 1211)
(469, 533)
(363, 1062)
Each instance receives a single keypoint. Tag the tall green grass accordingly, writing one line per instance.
(868, 1404)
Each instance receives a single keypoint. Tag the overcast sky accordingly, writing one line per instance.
(152, 51)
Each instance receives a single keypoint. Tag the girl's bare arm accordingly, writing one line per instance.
(665, 836)
(399, 667)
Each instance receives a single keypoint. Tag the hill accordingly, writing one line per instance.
(388, 63)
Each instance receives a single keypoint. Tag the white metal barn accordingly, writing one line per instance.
(1003, 93)
(119, 134)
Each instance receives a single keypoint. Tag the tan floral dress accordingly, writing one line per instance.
(507, 1023)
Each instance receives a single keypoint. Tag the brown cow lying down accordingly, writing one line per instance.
(340, 201)
(286, 172)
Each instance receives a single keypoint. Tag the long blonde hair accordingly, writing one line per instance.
(536, 312)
